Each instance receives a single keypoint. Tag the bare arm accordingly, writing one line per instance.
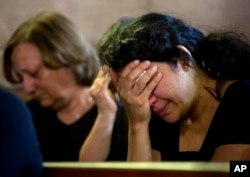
(97, 145)
(139, 148)
(134, 86)
(229, 152)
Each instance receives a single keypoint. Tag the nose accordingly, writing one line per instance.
(152, 99)
(28, 85)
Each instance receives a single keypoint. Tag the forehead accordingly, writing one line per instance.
(25, 54)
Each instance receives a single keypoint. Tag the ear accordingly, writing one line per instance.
(184, 49)
(185, 66)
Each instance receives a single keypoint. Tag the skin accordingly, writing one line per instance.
(103, 127)
(170, 104)
(42, 83)
(172, 93)
(58, 90)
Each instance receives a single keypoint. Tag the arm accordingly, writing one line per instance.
(97, 145)
(134, 89)
(232, 152)
(139, 148)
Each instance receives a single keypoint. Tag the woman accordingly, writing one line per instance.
(185, 93)
(54, 63)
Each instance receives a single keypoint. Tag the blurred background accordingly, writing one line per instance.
(95, 16)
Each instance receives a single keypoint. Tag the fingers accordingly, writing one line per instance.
(130, 67)
(101, 94)
(100, 84)
(105, 70)
(152, 84)
(132, 72)
(144, 79)
(136, 77)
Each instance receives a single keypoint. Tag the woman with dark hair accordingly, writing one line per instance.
(185, 93)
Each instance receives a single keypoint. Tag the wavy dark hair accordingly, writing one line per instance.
(109, 34)
(155, 37)
(152, 37)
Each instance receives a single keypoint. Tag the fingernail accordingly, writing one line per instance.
(146, 63)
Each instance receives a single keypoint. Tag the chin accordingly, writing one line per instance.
(170, 118)
(45, 103)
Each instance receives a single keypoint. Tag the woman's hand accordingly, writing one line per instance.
(101, 132)
(101, 94)
(134, 85)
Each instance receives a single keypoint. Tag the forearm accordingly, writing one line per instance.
(97, 145)
(139, 146)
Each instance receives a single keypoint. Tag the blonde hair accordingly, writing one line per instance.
(61, 45)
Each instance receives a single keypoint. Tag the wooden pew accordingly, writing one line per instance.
(136, 169)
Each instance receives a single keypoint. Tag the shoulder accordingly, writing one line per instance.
(233, 113)
(236, 97)
(17, 130)
(9, 98)
(243, 87)
(237, 92)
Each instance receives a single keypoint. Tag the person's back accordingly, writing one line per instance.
(19, 148)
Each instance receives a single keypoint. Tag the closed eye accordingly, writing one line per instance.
(35, 73)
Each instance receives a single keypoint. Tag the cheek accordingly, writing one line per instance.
(48, 82)
(59, 77)
(166, 89)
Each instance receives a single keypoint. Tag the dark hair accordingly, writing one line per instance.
(225, 56)
(152, 37)
(155, 37)
(109, 35)
(61, 44)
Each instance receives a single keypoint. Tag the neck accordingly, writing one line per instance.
(203, 111)
(79, 104)
(203, 108)
(194, 128)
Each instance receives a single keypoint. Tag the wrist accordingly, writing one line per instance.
(138, 126)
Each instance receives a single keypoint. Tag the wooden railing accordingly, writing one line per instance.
(128, 169)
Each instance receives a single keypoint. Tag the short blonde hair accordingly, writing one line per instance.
(61, 44)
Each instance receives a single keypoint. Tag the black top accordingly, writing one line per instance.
(230, 125)
(19, 151)
(60, 142)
